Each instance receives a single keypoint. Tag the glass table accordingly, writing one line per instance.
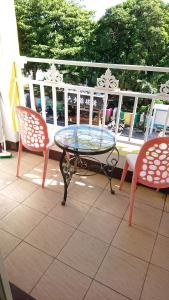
(79, 144)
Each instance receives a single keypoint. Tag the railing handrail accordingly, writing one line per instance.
(94, 89)
(26, 59)
(107, 85)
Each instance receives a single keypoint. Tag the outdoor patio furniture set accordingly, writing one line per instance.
(150, 167)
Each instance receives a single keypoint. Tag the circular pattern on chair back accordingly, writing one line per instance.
(153, 163)
(32, 128)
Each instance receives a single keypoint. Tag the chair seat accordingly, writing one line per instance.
(150, 167)
(131, 158)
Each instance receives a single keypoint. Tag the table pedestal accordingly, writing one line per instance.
(71, 165)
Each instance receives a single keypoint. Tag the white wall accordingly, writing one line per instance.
(9, 52)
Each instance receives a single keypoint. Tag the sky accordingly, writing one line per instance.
(101, 5)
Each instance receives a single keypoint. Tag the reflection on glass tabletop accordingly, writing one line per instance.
(85, 139)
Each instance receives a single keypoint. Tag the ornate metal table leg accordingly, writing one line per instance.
(110, 166)
(67, 171)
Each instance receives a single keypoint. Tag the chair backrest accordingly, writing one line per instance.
(32, 128)
(152, 165)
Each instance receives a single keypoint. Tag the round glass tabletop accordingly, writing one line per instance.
(85, 139)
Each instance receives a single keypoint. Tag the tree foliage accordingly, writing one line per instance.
(135, 32)
(52, 28)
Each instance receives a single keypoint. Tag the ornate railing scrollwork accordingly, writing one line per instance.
(53, 75)
(164, 88)
(108, 81)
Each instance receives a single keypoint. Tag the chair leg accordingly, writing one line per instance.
(125, 169)
(46, 155)
(19, 157)
(132, 194)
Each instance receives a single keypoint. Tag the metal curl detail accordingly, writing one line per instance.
(108, 81)
(164, 88)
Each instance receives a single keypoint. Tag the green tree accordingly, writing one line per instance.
(53, 28)
(135, 32)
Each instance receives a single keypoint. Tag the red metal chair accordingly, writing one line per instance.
(33, 135)
(150, 167)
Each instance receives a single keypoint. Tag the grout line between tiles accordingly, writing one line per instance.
(126, 297)
(152, 250)
(51, 262)
(76, 229)
(105, 253)
(56, 258)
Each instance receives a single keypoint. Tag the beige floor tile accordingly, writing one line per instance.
(72, 213)
(43, 200)
(56, 174)
(166, 207)
(98, 291)
(116, 184)
(19, 190)
(150, 197)
(83, 253)
(144, 195)
(36, 173)
(100, 224)
(6, 179)
(52, 168)
(56, 183)
(32, 158)
(62, 283)
(21, 221)
(6, 205)
(164, 226)
(160, 255)
(120, 271)
(5, 163)
(135, 240)
(28, 161)
(7, 243)
(145, 216)
(123, 273)
(84, 192)
(25, 166)
(50, 236)
(35, 177)
(9, 166)
(156, 286)
(97, 180)
(25, 265)
(113, 204)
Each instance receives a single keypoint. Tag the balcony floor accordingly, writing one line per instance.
(85, 250)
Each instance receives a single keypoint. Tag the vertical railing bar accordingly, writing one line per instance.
(149, 120)
(152, 121)
(166, 122)
(32, 96)
(91, 109)
(104, 109)
(43, 101)
(54, 106)
(78, 108)
(133, 118)
(66, 105)
(22, 94)
(20, 83)
(118, 114)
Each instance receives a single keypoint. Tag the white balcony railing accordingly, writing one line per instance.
(93, 101)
